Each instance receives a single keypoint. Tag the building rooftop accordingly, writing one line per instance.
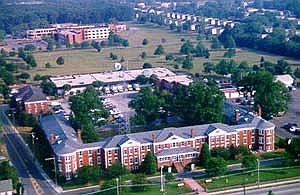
(66, 140)
(77, 80)
(6, 186)
(30, 93)
(174, 151)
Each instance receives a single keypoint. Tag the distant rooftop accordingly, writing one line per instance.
(30, 93)
(6, 186)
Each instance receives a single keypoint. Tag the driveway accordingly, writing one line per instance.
(292, 116)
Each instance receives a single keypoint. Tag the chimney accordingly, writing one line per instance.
(192, 132)
(237, 115)
(259, 110)
(153, 137)
(79, 135)
(52, 138)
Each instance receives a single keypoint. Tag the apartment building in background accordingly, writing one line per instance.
(177, 146)
(76, 33)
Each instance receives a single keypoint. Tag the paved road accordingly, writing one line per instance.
(21, 157)
(289, 189)
(292, 115)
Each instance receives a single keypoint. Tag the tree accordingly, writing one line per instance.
(143, 55)
(2, 35)
(159, 50)
(187, 63)
(29, 47)
(249, 161)
(97, 84)
(293, 149)
(24, 75)
(169, 57)
(138, 182)
(216, 44)
(271, 96)
(216, 167)
(201, 51)
(89, 174)
(208, 67)
(47, 65)
(8, 172)
(113, 56)
(145, 42)
(149, 165)
(169, 177)
(204, 155)
(187, 48)
(207, 103)
(116, 170)
(84, 44)
(297, 72)
(142, 79)
(220, 152)
(147, 65)
(147, 105)
(229, 42)
(49, 88)
(60, 60)
(67, 87)
(125, 43)
(229, 53)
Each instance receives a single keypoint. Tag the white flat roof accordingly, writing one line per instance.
(115, 76)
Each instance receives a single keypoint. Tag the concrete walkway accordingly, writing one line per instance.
(194, 185)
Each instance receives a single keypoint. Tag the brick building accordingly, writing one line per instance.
(75, 33)
(171, 146)
(32, 100)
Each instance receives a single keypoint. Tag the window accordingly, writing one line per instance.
(136, 160)
(90, 152)
(109, 152)
(245, 140)
(130, 150)
(166, 145)
(182, 143)
(98, 151)
(135, 150)
(261, 131)
(252, 139)
(131, 160)
(143, 147)
(174, 144)
(222, 138)
(109, 162)
(268, 141)
(159, 147)
(125, 151)
(148, 147)
(245, 132)
(116, 151)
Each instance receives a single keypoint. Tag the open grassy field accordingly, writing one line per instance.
(88, 60)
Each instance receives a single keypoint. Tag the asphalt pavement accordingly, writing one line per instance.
(292, 116)
(289, 189)
(22, 158)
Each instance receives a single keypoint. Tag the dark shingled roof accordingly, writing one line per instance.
(176, 151)
(30, 93)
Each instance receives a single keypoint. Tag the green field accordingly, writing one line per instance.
(251, 178)
(88, 60)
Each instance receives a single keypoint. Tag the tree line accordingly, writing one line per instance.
(16, 18)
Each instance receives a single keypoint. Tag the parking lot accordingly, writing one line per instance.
(292, 116)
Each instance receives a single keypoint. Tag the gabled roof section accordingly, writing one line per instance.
(30, 93)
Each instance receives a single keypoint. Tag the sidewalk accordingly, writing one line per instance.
(194, 186)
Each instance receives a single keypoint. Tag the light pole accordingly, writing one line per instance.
(117, 182)
(257, 172)
(161, 180)
(55, 172)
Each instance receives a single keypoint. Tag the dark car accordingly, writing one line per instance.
(287, 126)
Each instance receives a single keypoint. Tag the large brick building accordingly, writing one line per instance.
(32, 100)
(75, 33)
(172, 145)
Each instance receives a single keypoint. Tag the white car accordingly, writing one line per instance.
(293, 129)
(129, 87)
(136, 87)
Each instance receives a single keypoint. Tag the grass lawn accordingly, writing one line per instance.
(171, 189)
(274, 154)
(88, 60)
(251, 178)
